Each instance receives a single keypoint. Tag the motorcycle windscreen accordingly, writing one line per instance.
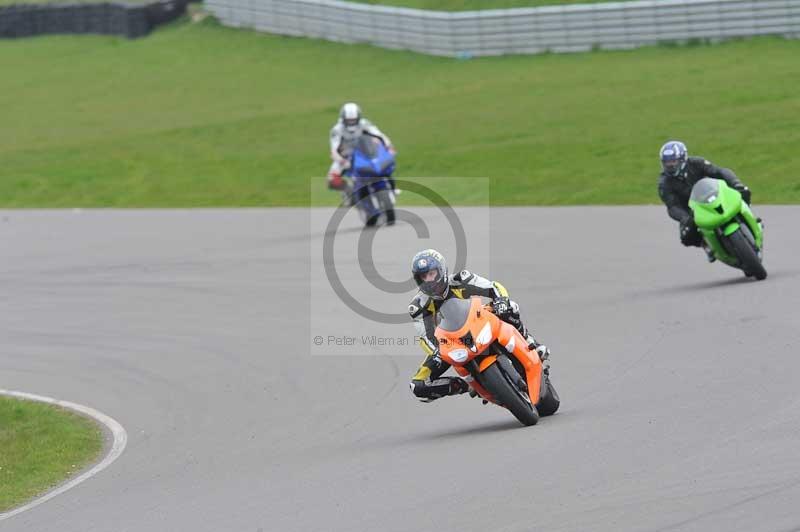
(705, 191)
(371, 158)
(453, 314)
(368, 146)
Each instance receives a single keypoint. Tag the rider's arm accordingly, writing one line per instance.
(726, 174)
(678, 210)
(424, 324)
(373, 130)
(474, 285)
(336, 142)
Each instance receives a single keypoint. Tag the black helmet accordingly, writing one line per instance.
(430, 273)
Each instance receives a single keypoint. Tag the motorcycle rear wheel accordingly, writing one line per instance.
(549, 403)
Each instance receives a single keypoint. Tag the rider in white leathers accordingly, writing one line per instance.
(344, 136)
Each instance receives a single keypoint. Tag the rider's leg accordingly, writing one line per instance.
(693, 238)
(514, 319)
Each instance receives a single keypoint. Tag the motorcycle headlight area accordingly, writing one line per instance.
(458, 355)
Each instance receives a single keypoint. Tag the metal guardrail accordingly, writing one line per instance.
(565, 28)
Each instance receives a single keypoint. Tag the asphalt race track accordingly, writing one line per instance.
(193, 328)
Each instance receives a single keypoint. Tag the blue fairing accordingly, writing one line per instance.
(379, 163)
(370, 164)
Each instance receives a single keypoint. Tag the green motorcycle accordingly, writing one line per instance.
(728, 226)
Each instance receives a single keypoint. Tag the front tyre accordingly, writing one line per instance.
(507, 394)
(744, 249)
(386, 205)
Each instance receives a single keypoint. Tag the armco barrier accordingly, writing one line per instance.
(564, 28)
(128, 20)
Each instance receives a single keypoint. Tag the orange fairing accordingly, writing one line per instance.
(486, 362)
(452, 348)
(515, 343)
(486, 329)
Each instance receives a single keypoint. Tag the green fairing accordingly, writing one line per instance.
(716, 247)
(709, 219)
(731, 228)
(706, 215)
(755, 227)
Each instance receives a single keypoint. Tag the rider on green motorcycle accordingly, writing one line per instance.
(679, 173)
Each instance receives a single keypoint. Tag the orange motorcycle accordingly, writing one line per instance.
(493, 357)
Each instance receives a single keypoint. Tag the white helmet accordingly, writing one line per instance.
(350, 116)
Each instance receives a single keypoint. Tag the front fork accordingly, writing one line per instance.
(470, 372)
(473, 369)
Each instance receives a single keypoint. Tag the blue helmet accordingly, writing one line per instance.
(673, 158)
(430, 273)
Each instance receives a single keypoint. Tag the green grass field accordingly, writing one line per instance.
(40, 446)
(466, 5)
(201, 115)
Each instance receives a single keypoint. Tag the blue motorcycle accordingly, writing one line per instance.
(371, 191)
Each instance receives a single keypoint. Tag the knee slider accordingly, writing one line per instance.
(418, 389)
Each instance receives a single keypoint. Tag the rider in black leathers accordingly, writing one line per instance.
(679, 173)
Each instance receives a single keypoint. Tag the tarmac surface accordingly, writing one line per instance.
(195, 330)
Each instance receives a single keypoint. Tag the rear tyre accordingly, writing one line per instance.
(506, 393)
(745, 251)
(549, 403)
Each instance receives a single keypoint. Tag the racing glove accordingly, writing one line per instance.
(502, 307)
(335, 181)
(687, 229)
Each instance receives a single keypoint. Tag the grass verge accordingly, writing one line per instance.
(41, 446)
(202, 115)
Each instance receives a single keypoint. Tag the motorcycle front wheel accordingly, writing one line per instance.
(507, 394)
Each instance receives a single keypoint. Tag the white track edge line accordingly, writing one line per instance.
(117, 430)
